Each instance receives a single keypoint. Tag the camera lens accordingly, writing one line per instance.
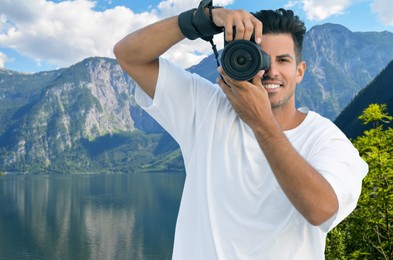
(242, 59)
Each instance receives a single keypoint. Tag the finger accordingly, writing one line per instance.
(229, 32)
(224, 77)
(258, 30)
(249, 29)
(225, 88)
(257, 80)
(221, 71)
(231, 83)
(239, 28)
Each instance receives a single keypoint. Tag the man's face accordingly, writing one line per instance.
(281, 79)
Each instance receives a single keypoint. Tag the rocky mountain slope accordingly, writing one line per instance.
(84, 118)
(72, 117)
(339, 64)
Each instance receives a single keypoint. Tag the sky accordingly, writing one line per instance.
(41, 35)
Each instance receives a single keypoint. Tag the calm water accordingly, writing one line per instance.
(89, 216)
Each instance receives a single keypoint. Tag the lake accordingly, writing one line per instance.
(129, 216)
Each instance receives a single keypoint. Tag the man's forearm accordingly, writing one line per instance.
(307, 190)
(139, 51)
(147, 44)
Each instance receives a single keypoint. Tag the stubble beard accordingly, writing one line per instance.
(281, 102)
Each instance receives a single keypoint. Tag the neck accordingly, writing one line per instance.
(288, 118)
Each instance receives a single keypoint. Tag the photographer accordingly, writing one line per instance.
(264, 180)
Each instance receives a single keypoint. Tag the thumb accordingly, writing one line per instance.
(257, 80)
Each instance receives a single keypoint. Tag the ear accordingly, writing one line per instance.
(301, 69)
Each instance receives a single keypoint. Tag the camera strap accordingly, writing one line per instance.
(206, 3)
(209, 4)
(194, 24)
(214, 48)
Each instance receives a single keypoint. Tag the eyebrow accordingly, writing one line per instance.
(285, 56)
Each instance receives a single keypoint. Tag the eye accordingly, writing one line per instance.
(284, 60)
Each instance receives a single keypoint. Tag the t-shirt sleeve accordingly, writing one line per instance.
(181, 100)
(340, 164)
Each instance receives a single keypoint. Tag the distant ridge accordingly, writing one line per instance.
(339, 64)
(379, 91)
(85, 119)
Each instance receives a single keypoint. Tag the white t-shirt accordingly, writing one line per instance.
(232, 206)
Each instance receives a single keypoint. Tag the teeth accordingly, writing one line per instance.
(271, 86)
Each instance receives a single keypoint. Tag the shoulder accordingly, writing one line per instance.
(315, 125)
(173, 77)
(321, 124)
(317, 133)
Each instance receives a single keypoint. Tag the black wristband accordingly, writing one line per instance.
(195, 24)
(204, 25)
(186, 25)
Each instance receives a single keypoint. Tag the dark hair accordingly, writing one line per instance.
(283, 21)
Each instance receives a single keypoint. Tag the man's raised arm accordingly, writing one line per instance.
(139, 51)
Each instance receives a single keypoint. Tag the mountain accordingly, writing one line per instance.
(84, 118)
(379, 91)
(339, 64)
(80, 119)
(18, 90)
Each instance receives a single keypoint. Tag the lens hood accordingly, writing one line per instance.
(242, 59)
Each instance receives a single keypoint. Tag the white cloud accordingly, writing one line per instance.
(188, 53)
(66, 32)
(322, 9)
(383, 8)
(172, 7)
(3, 59)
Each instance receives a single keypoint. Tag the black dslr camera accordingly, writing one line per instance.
(242, 59)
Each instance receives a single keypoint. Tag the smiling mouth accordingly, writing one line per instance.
(271, 86)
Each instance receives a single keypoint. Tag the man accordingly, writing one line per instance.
(264, 180)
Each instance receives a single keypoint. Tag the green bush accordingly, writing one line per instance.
(368, 232)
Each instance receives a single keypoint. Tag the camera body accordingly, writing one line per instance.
(243, 59)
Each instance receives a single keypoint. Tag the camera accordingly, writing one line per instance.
(242, 59)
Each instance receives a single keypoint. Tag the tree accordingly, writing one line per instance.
(368, 232)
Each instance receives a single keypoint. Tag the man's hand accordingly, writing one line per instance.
(242, 21)
(308, 191)
(250, 100)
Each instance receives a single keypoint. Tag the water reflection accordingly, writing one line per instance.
(89, 216)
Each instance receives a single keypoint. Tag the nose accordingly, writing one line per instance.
(272, 72)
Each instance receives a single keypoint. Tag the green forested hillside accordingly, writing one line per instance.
(368, 231)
